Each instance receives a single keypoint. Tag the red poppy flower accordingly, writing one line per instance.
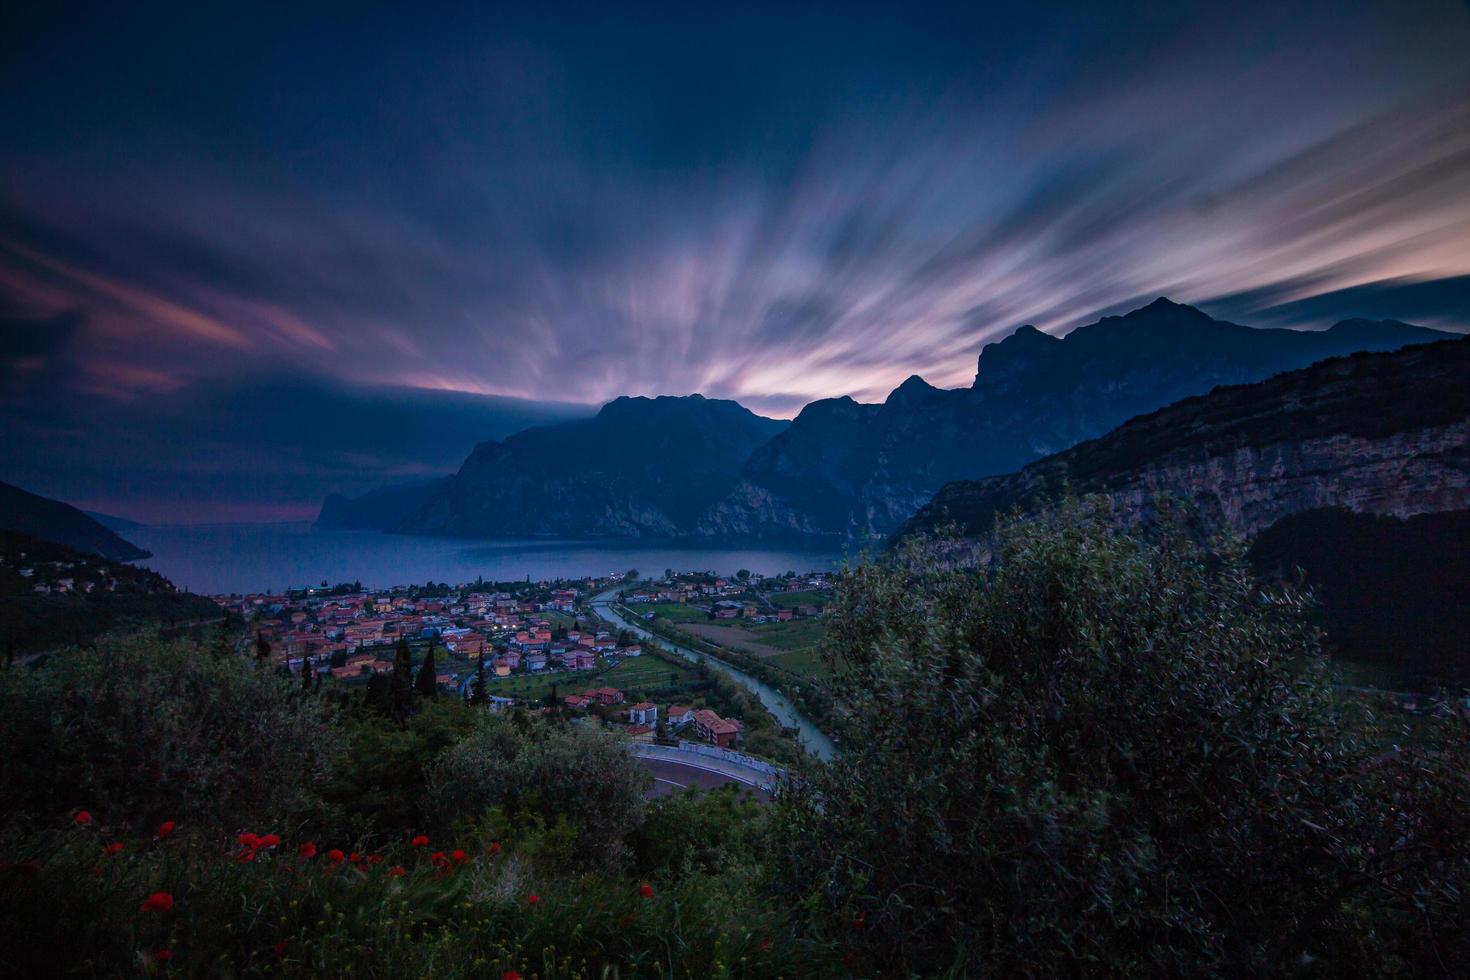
(166, 828)
(279, 949)
(418, 841)
(646, 890)
(335, 856)
(859, 921)
(375, 859)
(116, 847)
(765, 946)
(495, 847)
(533, 898)
(269, 840)
(458, 857)
(396, 871)
(510, 975)
(248, 839)
(246, 856)
(307, 850)
(158, 902)
(164, 955)
(82, 818)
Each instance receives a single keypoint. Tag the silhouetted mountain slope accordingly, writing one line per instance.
(376, 510)
(641, 466)
(1389, 590)
(1373, 433)
(52, 520)
(848, 469)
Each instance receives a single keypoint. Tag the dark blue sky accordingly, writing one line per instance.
(771, 203)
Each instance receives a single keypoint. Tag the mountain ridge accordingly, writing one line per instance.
(61, 523)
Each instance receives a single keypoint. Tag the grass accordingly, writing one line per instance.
(674, 612)
(806, 597)
(797, 634)
(647, 672)
(807, 662)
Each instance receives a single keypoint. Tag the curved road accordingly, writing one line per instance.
(812, 738)
(671, 777)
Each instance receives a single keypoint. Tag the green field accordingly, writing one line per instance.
(790, 600)
(647, 672)
(807, 662)
(674, 612)
(798, 634)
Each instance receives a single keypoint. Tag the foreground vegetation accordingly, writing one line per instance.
(1101, 755)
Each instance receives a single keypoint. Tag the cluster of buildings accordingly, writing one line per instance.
(353, 633)
(642, 719)
(743, 597)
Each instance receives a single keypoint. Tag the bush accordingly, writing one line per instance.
(147, 730)
(549, 772)
(1103, 754)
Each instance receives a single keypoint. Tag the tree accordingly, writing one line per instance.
(630, 575)
(478, 696)
(427, 684)
(743, 574)
(551, 701)
(402, 681)
(1101, 749)
(306, 674)
(262, 648)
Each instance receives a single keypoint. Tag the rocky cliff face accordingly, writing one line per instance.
(850, 470)
(640, 467)
(1384, 434)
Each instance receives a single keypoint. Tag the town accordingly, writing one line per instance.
(538, 646)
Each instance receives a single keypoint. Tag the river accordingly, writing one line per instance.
(812, 738)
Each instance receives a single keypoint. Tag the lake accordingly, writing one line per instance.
(237, 558)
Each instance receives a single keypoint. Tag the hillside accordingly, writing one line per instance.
(62, 523)
(376, 510)
(641, 466)
(1372, 433)
(845, 469)
(52, 595)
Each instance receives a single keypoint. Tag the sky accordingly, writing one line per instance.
(406, 206)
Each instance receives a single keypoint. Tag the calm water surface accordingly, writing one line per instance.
(226, 558)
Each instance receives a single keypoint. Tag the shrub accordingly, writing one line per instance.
(551, 772)
(159, 730)
(1105, 754)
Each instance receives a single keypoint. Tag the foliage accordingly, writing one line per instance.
(160, 729)
(1097, 755)
(551, 772)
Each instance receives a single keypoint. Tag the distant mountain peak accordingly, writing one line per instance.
(913, 389)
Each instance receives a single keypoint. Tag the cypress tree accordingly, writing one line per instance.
(305, 674)
(477, 687)
(402, 693)
(262, 648)
(426, 685)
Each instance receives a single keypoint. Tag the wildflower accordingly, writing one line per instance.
(335, 856)
(164, 955)
(765, 946)
(158, 902)
(82, 818)
(279, 949)
(419, 841)
(440, 861)
(646, 890)
(269, 840)
(532, 898)
(246, 856)
(116, 847)
(355, 857)
(458, 857)
(510, 975)
(396, 871)
(248, 839)
(307, 850)
(859, 922)
(375, 859)
(166, 828)
(495, 847)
